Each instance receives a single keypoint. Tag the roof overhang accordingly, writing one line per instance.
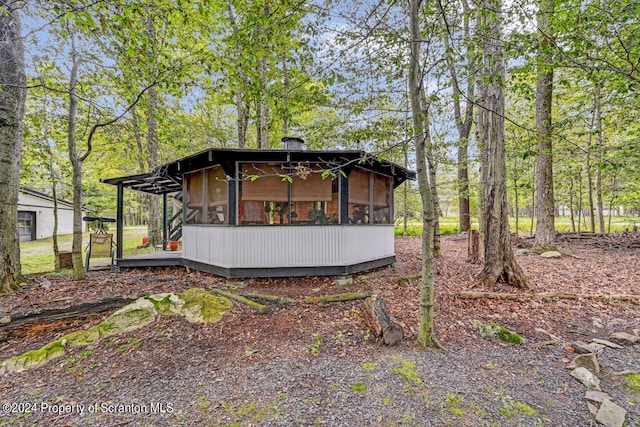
(168, 177)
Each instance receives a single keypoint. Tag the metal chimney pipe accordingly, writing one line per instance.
(292, 143)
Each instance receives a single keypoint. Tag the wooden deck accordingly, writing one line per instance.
(153, 259)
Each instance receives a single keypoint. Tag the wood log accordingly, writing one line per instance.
(383, 324)
(9, 325)
(407, 279)
(350, 296)
(475, 247)
(261, 308)
(270, 298)
(559, 295)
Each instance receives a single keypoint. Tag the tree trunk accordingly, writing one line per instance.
(545, 227)
(243, 118)
(76, 166)
(54, 193)
(515, 190)
(571, 208)
(382, 324)
(285, 100)
(431, 167)
(405, 194)
(475, 247)
(500, 263)
(592, 216)
(579, 199)
(263, 107)
(599, 139)
(463, 124)
(426, 335)
(242, 110)
(154, 229)
(12, 101)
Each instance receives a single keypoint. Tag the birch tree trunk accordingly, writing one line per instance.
(500, 263)
(12, 101)
(76, 166)
(426, 336)
(545, 228)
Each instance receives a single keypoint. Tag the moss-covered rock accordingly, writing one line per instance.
(128, 320)
(196, 305)
(166, 304)
(493, 331)
(34, 358)
(202, 307)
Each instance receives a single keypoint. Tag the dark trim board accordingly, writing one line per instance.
(243, 273)
(154, 259)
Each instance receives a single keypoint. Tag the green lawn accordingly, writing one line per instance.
(37, 256)
(449, 225)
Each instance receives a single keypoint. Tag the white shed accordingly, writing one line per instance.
(35, 215)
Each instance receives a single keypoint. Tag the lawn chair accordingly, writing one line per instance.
(100, 246)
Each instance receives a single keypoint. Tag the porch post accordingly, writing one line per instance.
(165, 226)
(120, 221)
(344, 199)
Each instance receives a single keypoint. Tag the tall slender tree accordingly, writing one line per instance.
(462, 97)
(12, 102)
(426, 334)
(545, 229)
(500, 263)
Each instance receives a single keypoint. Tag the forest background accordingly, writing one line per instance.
(118, 87)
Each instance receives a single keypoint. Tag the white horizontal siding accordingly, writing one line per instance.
(286, 246)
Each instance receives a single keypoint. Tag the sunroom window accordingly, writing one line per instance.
(359, 196)
(314, 200)
(382, 192)
(206, 196)
(264, 195)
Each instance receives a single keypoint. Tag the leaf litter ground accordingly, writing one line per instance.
(319, 364)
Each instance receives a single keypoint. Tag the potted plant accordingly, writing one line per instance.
(173, 245)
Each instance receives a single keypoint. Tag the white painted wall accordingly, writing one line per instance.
(271, 246)
(44, 215)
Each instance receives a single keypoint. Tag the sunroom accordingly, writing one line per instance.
(278, 213)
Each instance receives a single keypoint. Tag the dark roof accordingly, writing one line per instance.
(168, 177)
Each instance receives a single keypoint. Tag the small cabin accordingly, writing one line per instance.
(278, 213)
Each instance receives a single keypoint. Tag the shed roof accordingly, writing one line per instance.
(168, 177)
(44, 196)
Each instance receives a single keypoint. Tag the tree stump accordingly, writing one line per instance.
(65, 259)
(475, 247)
(382, 324)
